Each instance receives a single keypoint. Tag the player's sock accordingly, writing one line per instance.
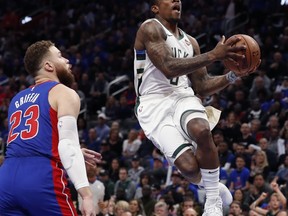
(210, 179)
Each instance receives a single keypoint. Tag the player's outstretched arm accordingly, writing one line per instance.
(151, 37)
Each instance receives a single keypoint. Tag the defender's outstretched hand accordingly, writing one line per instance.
(91, 157)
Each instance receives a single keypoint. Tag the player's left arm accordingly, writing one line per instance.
(67, 104)
(204, 84)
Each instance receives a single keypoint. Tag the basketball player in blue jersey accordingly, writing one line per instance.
(43, 142)
(169, 72)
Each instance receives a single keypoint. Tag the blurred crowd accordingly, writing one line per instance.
(97, 37)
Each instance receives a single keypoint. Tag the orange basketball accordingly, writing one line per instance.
(252, 55)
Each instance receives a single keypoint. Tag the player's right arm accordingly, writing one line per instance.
(151, 37)
(67, 104)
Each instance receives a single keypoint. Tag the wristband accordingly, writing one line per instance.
(231, 77)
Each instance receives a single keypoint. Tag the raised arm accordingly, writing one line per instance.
(281, 196)
(151, 37)
(254, 206)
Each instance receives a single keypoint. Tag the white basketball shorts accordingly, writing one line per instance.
(163, 119)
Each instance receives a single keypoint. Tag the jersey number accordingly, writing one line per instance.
(31, 116)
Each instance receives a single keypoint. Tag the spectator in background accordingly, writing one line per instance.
(107, 155)
(239, 196)
(135, 171)
(161, 209)
(258, 187)
(276, 143)
(271, 156)
(281, 176)
(236, 209)
(240, 151)
(190, 212)
(218, 136)
(239, 178)
(175, 189)
(277, 201)
(121, 206)
(189, 203)
(145, 179)
(226, 157)
(130, 146)
(283, 88)
(81, 94)
(257, 87)
(124, 185)
(102, 127)
(231, 127)
(256, 129)
(98, 92)
(124, 111)
(147, 200)
(156, 191)
(246, 138)
(111, 107)
(273, 107)
(283, 133)
(158, 171)
(93, 141)
(115, 141)
(259, 164)
(239, 105)
(97, 187)
(277, 67)
(190, 189)
(82, 129)
(114, 169)
(85, 86)
(254, 111)
(135, 207)
(108, 184)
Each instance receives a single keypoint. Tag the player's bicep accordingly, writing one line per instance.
(154, 39)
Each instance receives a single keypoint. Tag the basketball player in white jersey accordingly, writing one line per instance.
(169, 71)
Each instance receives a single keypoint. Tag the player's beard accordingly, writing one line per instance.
(65, 77)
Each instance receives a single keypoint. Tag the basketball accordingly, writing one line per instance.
(252, 55)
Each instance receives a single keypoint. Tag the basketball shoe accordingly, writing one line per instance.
(224, 193)
(213, 207)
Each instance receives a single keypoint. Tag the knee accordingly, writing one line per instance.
(199, 130)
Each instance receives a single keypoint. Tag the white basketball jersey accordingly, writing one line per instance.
(150, 80)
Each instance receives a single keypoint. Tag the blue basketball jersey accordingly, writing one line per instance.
(33, 124)
(32, 178)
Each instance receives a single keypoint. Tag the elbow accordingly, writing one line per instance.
(168, 73)
(168, 69)
(201, 93)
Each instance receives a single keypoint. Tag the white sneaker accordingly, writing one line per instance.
(225, 194)
(213, 208)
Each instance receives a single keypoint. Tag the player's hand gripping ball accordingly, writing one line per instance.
(252, 55)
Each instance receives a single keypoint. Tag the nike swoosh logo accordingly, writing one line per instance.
(212, 172)
(169, 35)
